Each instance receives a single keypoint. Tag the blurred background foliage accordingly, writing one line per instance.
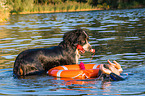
(36, 6)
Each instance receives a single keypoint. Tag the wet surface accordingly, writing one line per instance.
(115, 34)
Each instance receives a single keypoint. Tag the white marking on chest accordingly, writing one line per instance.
(77, 56)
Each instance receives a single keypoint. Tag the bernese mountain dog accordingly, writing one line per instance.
(40, 60)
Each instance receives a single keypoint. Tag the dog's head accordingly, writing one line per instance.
(77, 37)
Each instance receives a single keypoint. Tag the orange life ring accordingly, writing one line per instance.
(74, 71)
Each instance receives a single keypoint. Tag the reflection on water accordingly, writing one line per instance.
(115, 34)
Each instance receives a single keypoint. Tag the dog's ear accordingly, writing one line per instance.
(71, 37)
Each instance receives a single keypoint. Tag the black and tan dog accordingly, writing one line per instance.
(38, 61)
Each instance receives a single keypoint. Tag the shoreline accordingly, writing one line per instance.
(60, 11)
(65, 11)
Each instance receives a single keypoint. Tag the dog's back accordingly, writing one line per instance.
(37, 61)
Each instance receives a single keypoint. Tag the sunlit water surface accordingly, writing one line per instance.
(115, 34)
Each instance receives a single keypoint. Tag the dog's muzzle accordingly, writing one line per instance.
(82, 50)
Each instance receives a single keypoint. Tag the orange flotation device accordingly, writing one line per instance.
(74, 71)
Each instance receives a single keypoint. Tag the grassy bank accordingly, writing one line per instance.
(49, 6)
(59, 7)
(28, 6)
(4, 12)
(4, 15)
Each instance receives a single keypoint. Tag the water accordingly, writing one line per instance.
(115, 34)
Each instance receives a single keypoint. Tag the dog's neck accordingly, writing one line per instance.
(77, 56)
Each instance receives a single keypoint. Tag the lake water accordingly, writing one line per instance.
(115, 34)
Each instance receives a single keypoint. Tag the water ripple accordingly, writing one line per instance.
(114, 34)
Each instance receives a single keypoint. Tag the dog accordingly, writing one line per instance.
(40, 60)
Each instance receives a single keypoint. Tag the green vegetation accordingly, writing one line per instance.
(46, 6)
(60, 7)
(57, 6)
(4, 13)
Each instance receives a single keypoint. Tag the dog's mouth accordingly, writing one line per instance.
(83, 49)
(80, 49)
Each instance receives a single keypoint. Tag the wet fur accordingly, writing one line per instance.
(40, 60)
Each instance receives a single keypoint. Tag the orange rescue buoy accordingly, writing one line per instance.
(74, 71)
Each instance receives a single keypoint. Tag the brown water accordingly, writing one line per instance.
(115, 34)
